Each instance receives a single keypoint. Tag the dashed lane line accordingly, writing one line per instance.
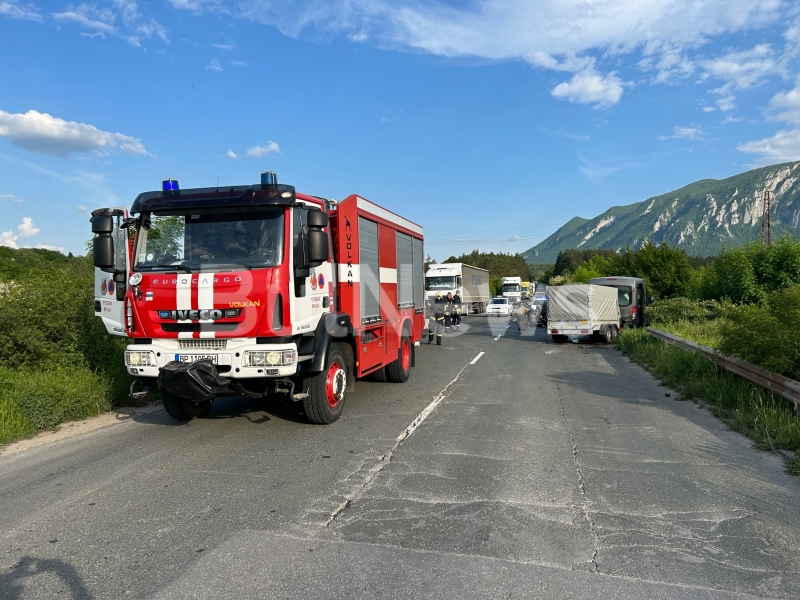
(477, 358)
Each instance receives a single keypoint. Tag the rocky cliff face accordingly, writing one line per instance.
(702, 218)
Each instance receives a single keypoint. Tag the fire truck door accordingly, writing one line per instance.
(311, 293)
(109, 295)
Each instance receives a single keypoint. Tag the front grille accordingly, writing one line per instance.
(203, 344)
(192, 327)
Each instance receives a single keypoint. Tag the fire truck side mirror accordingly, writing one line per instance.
(103, 251)
(317, 247)
(102, 223)
(317, 218)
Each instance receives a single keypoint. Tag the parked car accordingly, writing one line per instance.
(632, 298)
(539, 305)
(498, 307)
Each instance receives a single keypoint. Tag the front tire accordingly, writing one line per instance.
(184, 409)
(326, 391)
(399, 370)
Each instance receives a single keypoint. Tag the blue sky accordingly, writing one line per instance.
(491, 122)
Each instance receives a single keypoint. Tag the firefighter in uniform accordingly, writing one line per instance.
(435, 310)
(457, 312)
(448, 312)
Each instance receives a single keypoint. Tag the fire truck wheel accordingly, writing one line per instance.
(183, 409)
(327, 390)
(399, 370)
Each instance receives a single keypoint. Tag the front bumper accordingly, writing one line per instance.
(228, 355)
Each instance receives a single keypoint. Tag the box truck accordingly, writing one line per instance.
(471, 283)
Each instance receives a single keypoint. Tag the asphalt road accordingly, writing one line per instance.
(544, 471)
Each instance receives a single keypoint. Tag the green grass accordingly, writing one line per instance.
(14, 425)
(768, 419)
(31, 401)
(705, 333)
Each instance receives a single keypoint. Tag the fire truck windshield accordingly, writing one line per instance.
(208, 239)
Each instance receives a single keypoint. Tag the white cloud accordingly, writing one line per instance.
(726, 103)
(232, 154)
(259, 151)
(709, 109)
(743, 70)
(785, 106)
(678, 132)
(223, 47)
(24, 229)
(48, 247)
(81, 208)
(784, 146)
(44, 133)
(590, 87)
(239, 63)
(214, 66)
(11, 198)
(13, 10)
(102, 21)
(361, 36)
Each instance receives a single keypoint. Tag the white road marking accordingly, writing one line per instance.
(477, 358)
(428, 409)
(497, 338)
(384, 460)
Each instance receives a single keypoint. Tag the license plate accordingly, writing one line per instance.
(187, 358)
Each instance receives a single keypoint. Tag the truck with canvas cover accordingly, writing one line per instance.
(253, 290)
(471, 283)
(581, 310)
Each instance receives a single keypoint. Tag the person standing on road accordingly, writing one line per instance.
(448, 312)
(521, 315)
(435, 311)
(457, 312)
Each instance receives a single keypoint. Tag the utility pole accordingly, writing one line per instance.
(766, 223)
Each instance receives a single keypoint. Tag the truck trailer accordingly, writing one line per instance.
(580, 310)
(471, 283)
(253, 290)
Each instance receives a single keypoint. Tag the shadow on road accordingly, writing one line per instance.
(14, 581)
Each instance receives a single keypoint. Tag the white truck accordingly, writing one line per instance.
(471, 283)
(580, 310)
(512, 289)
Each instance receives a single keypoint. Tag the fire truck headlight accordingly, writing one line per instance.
(139, 359)
(273, 358)
(135, 279)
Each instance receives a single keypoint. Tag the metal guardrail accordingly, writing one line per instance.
(788, 388)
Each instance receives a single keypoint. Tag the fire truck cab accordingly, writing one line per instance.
(254, 290)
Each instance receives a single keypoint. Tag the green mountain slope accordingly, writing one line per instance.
(701, 218)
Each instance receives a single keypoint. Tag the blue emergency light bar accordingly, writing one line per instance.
(269, 178)
(169, 185)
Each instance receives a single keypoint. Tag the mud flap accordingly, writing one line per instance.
(199, 381)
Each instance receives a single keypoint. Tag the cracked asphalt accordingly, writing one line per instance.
(544, 471)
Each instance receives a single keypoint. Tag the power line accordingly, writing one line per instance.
(490, 230)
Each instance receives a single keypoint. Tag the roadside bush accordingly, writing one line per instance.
(47, 322)
(766, 334)
(765, 417)
(673, 310)
(49, 398)
(14, 425)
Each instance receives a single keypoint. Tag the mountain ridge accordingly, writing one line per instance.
(702, 217)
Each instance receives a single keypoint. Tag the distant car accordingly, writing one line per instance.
(498, 307)
(539, 305)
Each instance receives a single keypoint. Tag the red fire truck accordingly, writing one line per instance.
(254, 290)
